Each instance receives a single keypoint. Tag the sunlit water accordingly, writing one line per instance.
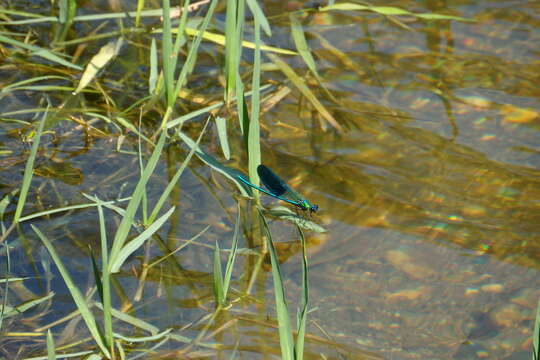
(433, 212)
(431, 195)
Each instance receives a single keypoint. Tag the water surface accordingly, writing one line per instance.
(430, 194)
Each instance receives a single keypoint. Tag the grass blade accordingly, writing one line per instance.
(143, 338)
(221, 124)
(41, 52)
(192, 54)
(254, 147)
(97, 276)
(22, 85)
(390, 11)
(127, 221)
(536, 335)
(96, 357)
(303, 310)
(167, 50)
(67, 208)
(19, 309)
(29, 168)
(304, 51)
(301, 44)
(128, 319)
(232, 256)
(140, 6)
(180, 30)
(241, 109)
(66, 12)
(180, 120)
(153, 77)
(221, 40)
(258, 14)
(106, 283)
(51, 353)
(79, 299)
(284, 323)
(134, 244)
(176, 177)
(6, 200)
(232, 49)
(218, 277)
(187, 243)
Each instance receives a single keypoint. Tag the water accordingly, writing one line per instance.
(430, 195)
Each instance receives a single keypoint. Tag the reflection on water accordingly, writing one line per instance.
(433, 192)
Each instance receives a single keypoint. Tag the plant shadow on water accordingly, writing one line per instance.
(419, 145)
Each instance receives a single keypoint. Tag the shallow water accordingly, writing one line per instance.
(430, 194)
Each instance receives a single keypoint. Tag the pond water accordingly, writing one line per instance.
(430, 194)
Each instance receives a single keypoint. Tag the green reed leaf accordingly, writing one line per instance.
(128, 219)
(218, 276)
(41, 52)
(170, 186)
(51, 352)
(21, 308)
(301, 43)
(303, 307)
(136, 243)
(29, 169)
(167, 51)
(105, 280)
(155, 337)
(253, 142)
(232, 256)
(259, 16)
(77, 296)
(153, 77)
(284, 323)
(192, 53)
(221, 125)
(234, 32)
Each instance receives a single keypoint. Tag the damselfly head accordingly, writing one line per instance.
(305, 205)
